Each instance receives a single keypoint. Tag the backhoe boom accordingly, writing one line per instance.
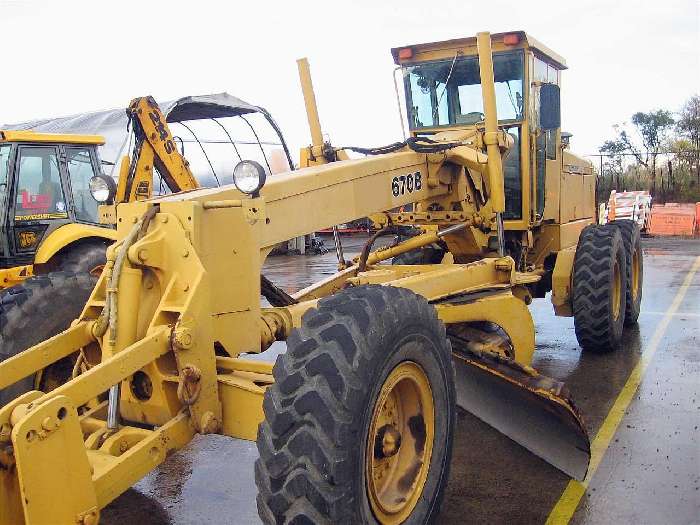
(154, 148)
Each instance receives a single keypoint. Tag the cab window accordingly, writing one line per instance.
(4, 158)
(545, 72)
(512, 177)
(39, 194)
(540, 153)
(448, 92)
(80, 171)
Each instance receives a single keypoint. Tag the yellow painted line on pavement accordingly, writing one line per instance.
(570, 499)
(677, 314)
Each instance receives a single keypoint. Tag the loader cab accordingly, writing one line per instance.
(44, 184)
(442, 91)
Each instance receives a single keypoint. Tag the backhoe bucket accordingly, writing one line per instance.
(532, 410)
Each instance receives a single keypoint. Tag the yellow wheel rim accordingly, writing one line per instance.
(400, 443)
(635, 274)
(617, 291)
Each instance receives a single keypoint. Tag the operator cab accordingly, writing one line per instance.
(44, 184)
(442, 90)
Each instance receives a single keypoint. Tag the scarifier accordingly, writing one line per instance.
(354, 422)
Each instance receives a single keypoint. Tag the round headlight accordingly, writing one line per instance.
(102, 188)
(249, 177)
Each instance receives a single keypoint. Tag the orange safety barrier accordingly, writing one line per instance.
(674, 219)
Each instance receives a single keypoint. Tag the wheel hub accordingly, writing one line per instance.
(399, 443)
(635, 274)
(617, 291)
(387, 442)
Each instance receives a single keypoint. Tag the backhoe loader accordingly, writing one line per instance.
(354, 422)
(48, 217)
(51, 186)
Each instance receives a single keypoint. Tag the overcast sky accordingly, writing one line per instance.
(65, 57)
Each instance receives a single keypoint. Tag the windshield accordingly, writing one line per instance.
(448, 92)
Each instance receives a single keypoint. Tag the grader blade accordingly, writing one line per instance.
(533, 410)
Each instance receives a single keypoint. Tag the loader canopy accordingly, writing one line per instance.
(213, 131)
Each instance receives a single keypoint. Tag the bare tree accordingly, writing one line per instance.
(688, 126)
(615, 167)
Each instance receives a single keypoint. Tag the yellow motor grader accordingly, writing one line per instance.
(354, 422)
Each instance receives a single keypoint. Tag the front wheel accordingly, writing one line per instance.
(358, 425)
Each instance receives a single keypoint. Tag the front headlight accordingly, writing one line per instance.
(103, 188)
(249, 177)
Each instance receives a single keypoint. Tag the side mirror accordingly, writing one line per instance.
(550, 109)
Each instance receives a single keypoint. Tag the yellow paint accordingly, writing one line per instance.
(65, 235)
(505, 310)
(447, 48)
(59, 138)
(50, 434)
(40, 216)
(488, 93)
(562, 283)
(569, 500)
(314, 153)
(15, 275)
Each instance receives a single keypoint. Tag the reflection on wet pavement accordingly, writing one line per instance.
(651, 473)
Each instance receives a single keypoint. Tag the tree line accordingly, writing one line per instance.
(658, 151)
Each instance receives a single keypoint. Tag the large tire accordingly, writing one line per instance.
(599, 288)
(84, 257)
(313, 442)
(631, 237)
(35, 310)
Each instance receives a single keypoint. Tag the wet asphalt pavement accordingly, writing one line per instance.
(650, 474)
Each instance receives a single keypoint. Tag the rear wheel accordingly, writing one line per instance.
(599, 288)
(35, 310)
(358, 425)
(631, 237)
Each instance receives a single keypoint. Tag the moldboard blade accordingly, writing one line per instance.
(533, 410)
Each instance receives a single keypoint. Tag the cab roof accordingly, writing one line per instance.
(53, 138)
(431, 50)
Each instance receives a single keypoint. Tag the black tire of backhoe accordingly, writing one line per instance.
(312, 442)
(632, 238)
(596, 328)
(83, 257)
(35, 310)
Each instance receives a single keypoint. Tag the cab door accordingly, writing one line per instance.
(38, 198)
(81, 164)
(547, 160)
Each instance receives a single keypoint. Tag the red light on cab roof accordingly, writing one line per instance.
(405, 53)
(511, 39)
